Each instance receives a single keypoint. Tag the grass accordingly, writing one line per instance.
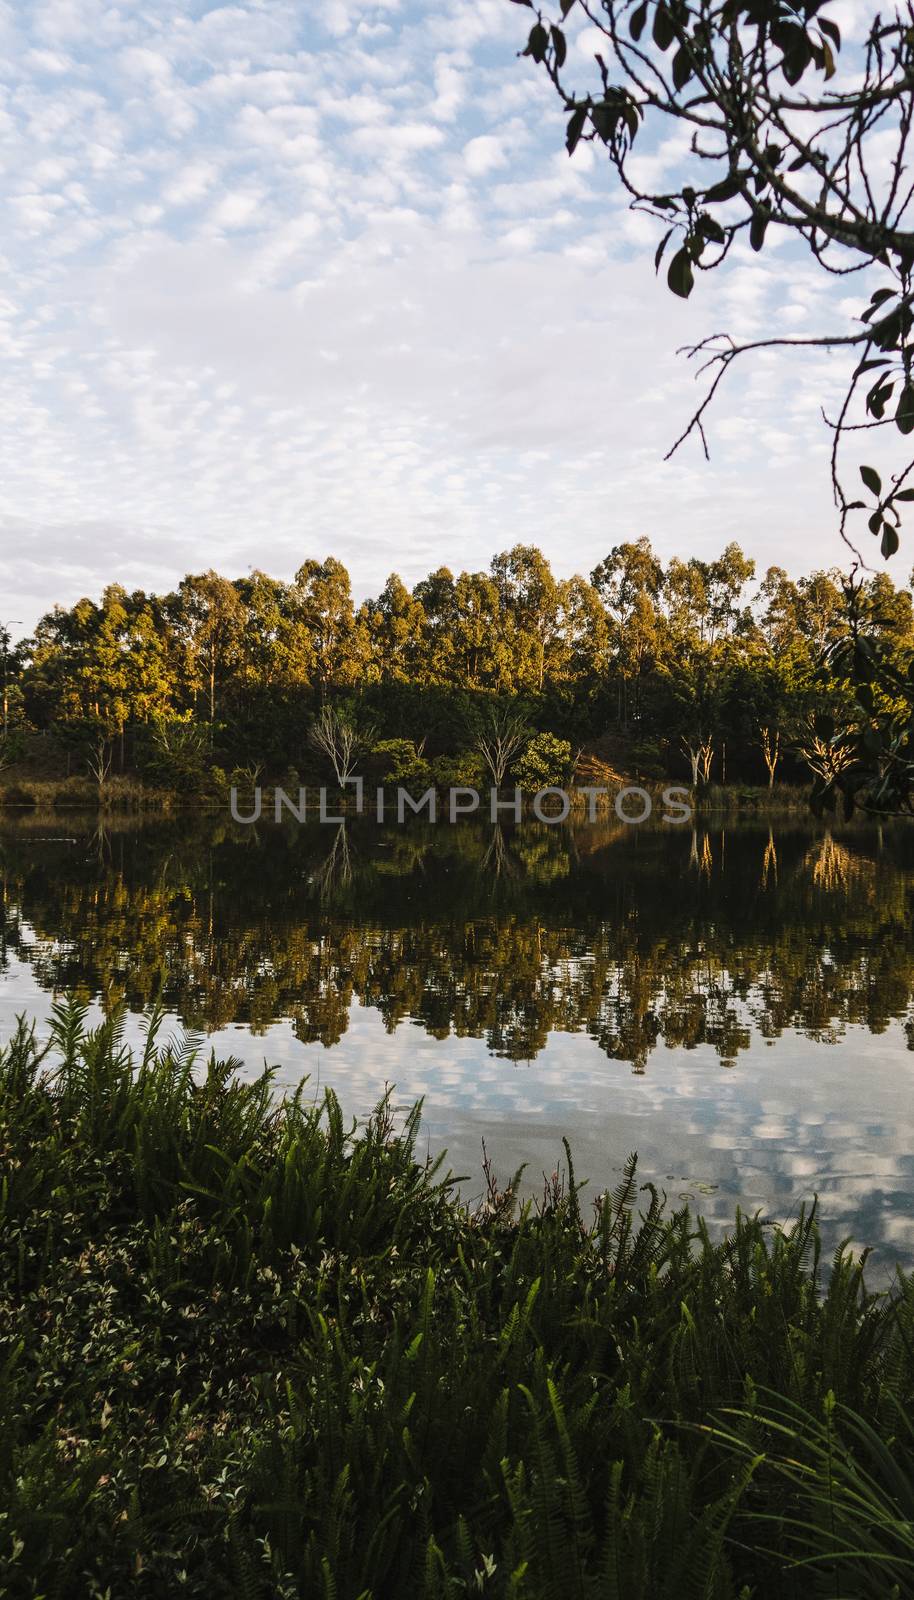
(746, 797)
(247, 1350)
(75, 793)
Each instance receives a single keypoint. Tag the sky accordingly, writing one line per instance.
(285, 280)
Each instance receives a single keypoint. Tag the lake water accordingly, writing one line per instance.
(735, 1003)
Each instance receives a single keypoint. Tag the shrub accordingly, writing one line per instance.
(466, 770)
(398, 761)
(647, 759)
(175, 756)
(546, 763)
(19, 794)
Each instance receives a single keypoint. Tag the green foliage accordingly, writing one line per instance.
(465, 770)
(545, 763)
(245, 1351)
(398, 761)
(175, 755)
(687, 657)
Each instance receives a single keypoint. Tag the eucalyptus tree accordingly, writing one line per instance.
(394, 625)
(324, 614)
(531, 596)
(208, 617)
(629, 581)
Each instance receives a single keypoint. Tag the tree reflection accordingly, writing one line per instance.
(638, 938)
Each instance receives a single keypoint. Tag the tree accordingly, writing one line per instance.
(323, 610)
(547, 762)
(780, 142)
(335, 736)
(393, 627)
(208, 616)
(628, 582)
(501, 737)
(531, 597)
(782, 139)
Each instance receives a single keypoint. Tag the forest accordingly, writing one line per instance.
(703, 670)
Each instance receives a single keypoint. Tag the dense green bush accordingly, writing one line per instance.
(245, 1351)
(398, 761)
(546, 763)
(465, 770)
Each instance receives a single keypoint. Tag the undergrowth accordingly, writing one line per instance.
(248, 1350)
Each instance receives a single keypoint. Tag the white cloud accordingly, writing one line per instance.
(483, 154)
(276, 282)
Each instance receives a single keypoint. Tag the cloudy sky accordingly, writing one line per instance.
(285, 279)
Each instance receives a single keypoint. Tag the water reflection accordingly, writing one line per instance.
(639, 938)
(602, 983)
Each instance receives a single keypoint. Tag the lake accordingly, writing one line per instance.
(735, 1002)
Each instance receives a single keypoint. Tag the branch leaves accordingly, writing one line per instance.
(679, 274)
(904, 416)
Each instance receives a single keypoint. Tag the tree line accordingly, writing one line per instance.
(690, 667)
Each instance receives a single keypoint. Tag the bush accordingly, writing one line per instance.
(398, 761)
(245, 1352)
(18, 794)
(466, 770)
(175, 756)
(545, 764)
(646, 759)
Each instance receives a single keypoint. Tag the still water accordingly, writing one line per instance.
(735, 1003)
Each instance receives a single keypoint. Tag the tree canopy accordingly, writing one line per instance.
(694, 667)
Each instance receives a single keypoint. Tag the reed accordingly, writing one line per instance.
(248, 1348)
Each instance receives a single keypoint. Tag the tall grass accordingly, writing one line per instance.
(248, 1349)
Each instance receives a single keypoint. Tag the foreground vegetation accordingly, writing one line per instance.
(246, 1352)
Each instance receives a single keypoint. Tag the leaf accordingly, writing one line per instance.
(711, 229)
(760, 219)
(831, 29)
(537, 43)
(886, 334)
(904, 494)
(904, 416)
(682, 67)
(560, 46)
(575, 128)
(878, 299)
(725, 190)
(797, 52)
(889, 541)
(605, 118)
(660, 249)
(828, 60)
(638, 19)
(664, 32)
(871, 479)
(875, 522)
(566, 7)
(679, 277)
(878, 396)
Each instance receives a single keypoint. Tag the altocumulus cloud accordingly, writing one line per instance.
(282, 280)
